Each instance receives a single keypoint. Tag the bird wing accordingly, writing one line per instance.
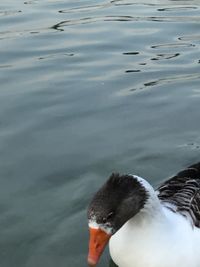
(181, 193)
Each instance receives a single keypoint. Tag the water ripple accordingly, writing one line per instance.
(130, 53)
(173, 45)
(129, 71)
(5, 66)
(85, 8)
(173, 79)
(175, 3)
(56, 55)
(165, 56)
(177, 8)
(190, 37)
(9, 13)
(30, 2)
(162, 81)
(123, 18)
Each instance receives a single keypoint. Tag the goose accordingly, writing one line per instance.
(146, 227)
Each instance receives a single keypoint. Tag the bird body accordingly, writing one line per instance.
(156, 236)
(149, 228)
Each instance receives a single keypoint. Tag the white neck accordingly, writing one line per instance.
(152, 210)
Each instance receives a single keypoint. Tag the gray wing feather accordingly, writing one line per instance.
(182, 192)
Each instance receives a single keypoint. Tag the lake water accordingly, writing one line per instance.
(87, 88)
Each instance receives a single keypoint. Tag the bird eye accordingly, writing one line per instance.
(110, 215)
(104, 220)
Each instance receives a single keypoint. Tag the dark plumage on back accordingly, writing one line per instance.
(183, 193)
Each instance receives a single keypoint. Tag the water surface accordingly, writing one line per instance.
(87, 88)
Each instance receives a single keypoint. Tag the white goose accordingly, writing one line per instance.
(147, 228)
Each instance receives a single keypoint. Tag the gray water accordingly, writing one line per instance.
(87, 88)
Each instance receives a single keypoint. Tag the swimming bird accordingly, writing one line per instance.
(147, 227)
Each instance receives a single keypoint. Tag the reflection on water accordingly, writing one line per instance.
(87, 88)
(9, 13)
(93, 20)
(175, 45)
(86, 8)
(165, 56)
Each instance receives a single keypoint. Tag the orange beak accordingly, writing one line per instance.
(98, 241)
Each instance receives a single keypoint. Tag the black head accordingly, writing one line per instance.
(117, 201)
